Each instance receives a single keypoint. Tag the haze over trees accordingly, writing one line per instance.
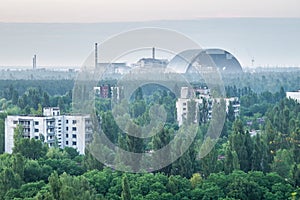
(256, 157)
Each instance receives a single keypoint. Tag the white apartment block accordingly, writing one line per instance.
(55, 129)
(235, 104)
(185, 98)
(182, 105)
(294, 95)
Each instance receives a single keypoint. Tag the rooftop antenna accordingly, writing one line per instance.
(96, 54)
(153, 53)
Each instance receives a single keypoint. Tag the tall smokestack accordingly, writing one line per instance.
(34, 62)
(153, 53)
(96, 54)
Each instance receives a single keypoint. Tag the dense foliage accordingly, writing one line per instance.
(256, 157)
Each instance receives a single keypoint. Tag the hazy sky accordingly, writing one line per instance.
(140, 10)
(257, 35)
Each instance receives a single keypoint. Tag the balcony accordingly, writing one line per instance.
(50, 133)
(52, 140)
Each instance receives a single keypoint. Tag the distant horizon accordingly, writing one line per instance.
(155, 20)
(66, 67)
(269, 41)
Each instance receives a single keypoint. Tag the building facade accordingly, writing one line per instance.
(52, 128)
(202, 99)
(294, 95)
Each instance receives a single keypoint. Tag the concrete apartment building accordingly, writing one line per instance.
(182, 104)
(55, 129)
(294, 95)
(201, 94)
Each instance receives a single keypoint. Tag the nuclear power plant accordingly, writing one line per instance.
(222, 60)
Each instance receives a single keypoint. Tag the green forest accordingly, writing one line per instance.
(242, 164)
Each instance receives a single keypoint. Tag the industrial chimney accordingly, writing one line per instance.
(34, 62)
(153, 53)
(96, 54)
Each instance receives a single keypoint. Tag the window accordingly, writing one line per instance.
(74, 136)
(67, 142)
(184, 104)
(67, 135)
(74, 143)
(36, 130)
(74, 122)
(15, 122)
(67, 128)
(184, 108)
(36, 123)
(74, 129)
(67, 121)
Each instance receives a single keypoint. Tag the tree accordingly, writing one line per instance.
(109, 126)
(55, 185)
(231, 162)
(203, 111)
(283, 163)
(90, 162)
(242, 144)
(296, 144)
(46, 100)
(33, 171)
(61, 103)
(192, 112)
(134, 144)
(2, 133)
(15, 97)
(259, 159)
(126, 194)
(196, 180)
(30, 148)
(18, 165)
(8, 180)
(208, 164)
(230, 113)
(185, 164)
(138, 95)
(160, 140)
